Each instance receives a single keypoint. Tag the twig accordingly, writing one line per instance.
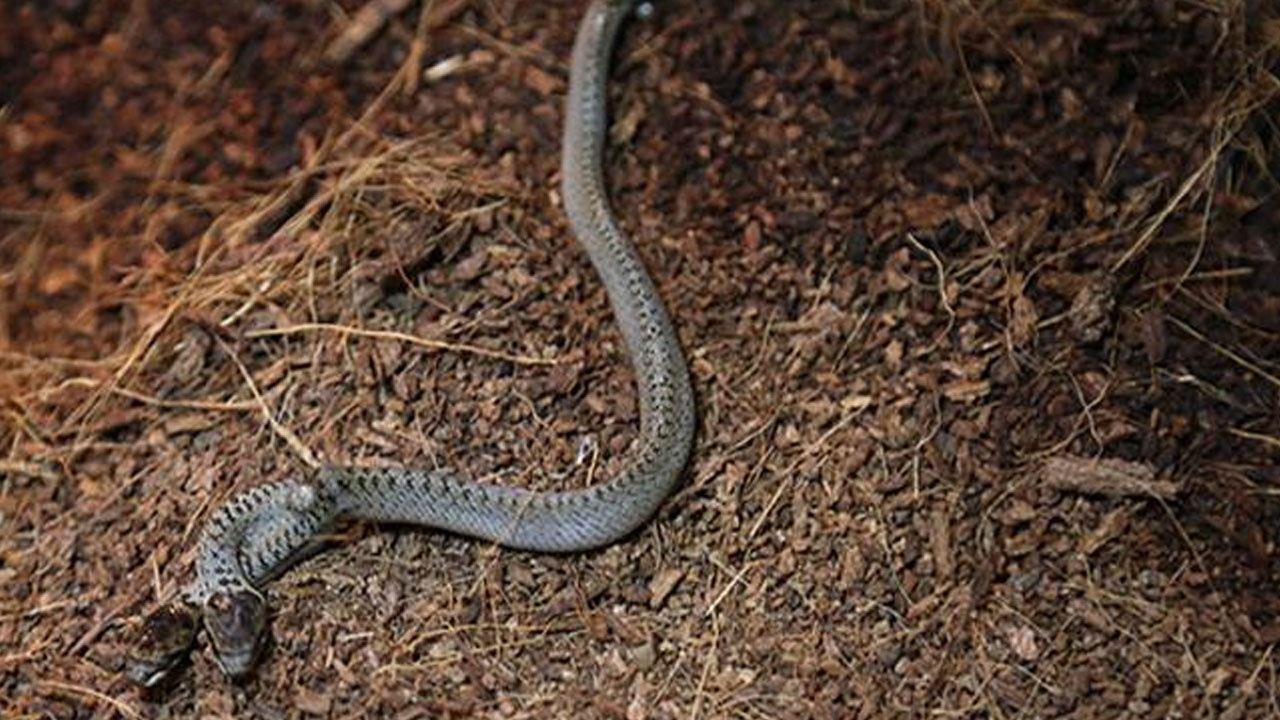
(290, 438)
(417, 49)
(1274, 442)
(183, 404)
(371, 18)
(1107, 476)
(68, 688)
(1158, 220)
(366, 23)
(402, 337)
(27, 469)
(1225, 351)
(941, 284)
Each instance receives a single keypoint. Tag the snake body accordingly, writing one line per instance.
(259, 533)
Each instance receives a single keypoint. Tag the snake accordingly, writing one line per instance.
(256, 535)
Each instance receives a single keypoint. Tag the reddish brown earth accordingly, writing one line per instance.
(982, 306)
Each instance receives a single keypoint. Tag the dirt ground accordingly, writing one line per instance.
(981, 300)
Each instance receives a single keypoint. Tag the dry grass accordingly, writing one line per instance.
(864, 530)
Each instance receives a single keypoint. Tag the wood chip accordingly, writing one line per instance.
(966, 390)
(366, 22)
(1107, 476)
(1092, 309)
(662, 585)
(312, 702)
(940, 543)
(1023, 642)
(1112, 525)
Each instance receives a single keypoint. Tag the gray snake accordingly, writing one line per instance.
(256, 535)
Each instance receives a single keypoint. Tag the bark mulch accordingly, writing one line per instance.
(981, 300)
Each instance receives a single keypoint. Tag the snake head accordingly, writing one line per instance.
(163, 640)
(235, 621)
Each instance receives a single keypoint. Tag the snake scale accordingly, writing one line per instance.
(256, 535)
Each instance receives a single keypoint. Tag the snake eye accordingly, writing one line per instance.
(163, 639)
(235, 621)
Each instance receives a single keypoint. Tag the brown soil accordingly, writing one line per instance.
(982, 307)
